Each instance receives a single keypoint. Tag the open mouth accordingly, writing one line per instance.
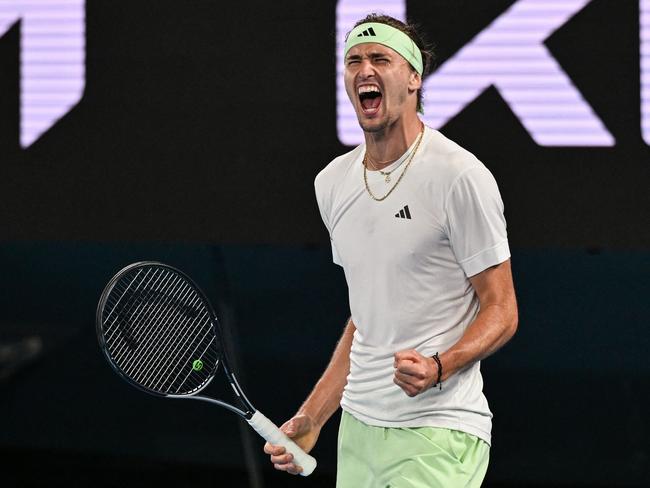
(370, 97)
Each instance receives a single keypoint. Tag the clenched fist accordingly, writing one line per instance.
(414, 373)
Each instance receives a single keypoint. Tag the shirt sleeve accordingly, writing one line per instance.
(476, 225)
(321, 208)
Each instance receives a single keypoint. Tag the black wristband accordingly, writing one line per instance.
(436, 358)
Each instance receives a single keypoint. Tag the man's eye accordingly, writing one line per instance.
(352, 61)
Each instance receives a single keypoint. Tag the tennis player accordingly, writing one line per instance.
(417, 224)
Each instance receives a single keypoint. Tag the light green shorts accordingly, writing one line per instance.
(422, 457)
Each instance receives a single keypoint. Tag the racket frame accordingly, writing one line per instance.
(246, 412)
(261, 424)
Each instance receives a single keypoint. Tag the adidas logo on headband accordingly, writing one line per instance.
(388, 36)
(367, 32)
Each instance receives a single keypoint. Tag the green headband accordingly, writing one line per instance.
(388, 36)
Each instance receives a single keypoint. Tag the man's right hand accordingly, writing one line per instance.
(304, 432)
(324, 400)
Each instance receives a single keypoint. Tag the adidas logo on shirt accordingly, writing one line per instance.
(367, 32)
(404, 213)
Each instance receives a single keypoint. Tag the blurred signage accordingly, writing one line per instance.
(52, 60)
(510, 55)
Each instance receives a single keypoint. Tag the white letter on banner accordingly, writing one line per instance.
(510, 55)
(52, 60)
(644, 16)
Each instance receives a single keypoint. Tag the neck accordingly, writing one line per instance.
(386, 146)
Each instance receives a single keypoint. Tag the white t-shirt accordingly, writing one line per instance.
(407, 260)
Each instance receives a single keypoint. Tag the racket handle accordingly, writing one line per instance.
(273, 435)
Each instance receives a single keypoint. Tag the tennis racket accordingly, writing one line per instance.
(160, 334)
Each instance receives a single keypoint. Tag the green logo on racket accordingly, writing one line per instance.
(197, 365)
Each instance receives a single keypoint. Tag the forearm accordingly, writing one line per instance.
(325, 398)
(494, 325)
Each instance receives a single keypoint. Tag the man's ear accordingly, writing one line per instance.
(415, 81)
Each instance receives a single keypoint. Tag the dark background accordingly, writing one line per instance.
(196, 143)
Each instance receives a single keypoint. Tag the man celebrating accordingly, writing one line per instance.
(417, 224)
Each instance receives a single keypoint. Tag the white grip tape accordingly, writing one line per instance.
(273, 435)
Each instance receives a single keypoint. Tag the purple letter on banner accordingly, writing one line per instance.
(510, 55)
(645, 69)
(52, 60)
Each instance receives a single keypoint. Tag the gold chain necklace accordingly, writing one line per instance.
(385, 174)
(406, 166)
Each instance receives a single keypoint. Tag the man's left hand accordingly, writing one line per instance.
(414, 373)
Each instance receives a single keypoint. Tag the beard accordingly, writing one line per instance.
(373, 127)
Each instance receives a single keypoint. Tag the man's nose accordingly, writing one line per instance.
(366, 69)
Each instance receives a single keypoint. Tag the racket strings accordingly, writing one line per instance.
(163, 346)
(158, 331)
(138, 304)
(177, 349)
(167, 384)
(113, 302)
(157, 335)
(161, 339)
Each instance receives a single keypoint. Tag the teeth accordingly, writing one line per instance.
(368, 88)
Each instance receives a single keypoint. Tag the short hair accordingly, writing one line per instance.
(414, 32)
